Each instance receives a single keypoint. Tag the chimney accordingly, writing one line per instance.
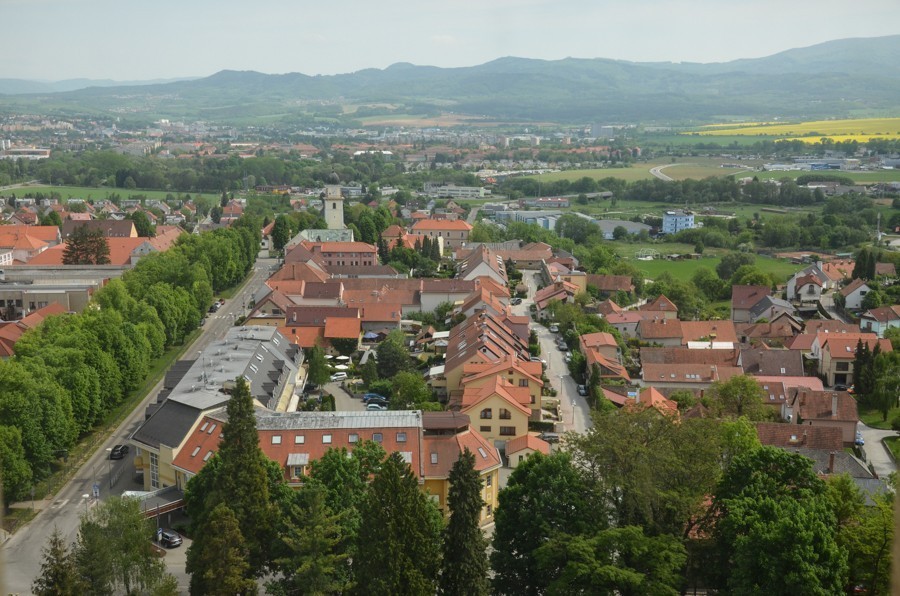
(834, 405)
(831, 463)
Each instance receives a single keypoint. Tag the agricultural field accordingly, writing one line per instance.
(860, 130)
(858, 176)
(780, 269)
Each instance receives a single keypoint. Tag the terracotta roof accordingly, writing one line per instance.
(744, 297)
(444, 451)
(305, 337)
(807, 279)
(342, 328)
(610, 283)
(492, 286)
(802, 342)
(517, 397)
(832, 326)
(527, 442)
(772, 362)
(625, 317)
(478, 370)
(339, 247)
(120, 252)
(838, 270)
(381, 312)
(852, 287)
(688, 373)
(791, 383)
(683, 355)
(315, 316)
(454, 225)
(651, 398)
(662, 304)
(845, 349)
(787, 436)
(817, 405)
(601, 338)
(697, 330)
(308, 271)
(659, 329)
(608, 307)
(883, 314)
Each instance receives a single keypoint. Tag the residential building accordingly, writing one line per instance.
(878, 320)
(455, 233)
(452, 191)
(110, 228)
(833, 409)
(854, 293)
(520, 448)
(11, 331)
(610, 284)
(482, 262)
(501, 410)
(677, 220)
(744, 298)
(559, 291)
(838, 353)
(661, 305)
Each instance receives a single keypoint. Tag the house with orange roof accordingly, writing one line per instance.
(839, 353)
(499, 408)
(454, 232)
(560, 291)
(25, 242)
(481, 338)
(711, 331)
(356, 254)
(854, 293)
(601, 353)
(838, 270)
(518, 372)
(695, 377)
(520, 448)
(269, 310)
(831, 409)
(878, 320)
(663, 305)
(663, 331)
(627, 321)
(482, 299)
(483, 262)
(608, 285)
(608, 307)
(807, 285)
(11, 331)
(651, 398)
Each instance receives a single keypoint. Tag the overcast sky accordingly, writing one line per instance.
(150, 39)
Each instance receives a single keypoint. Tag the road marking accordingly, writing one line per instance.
(60, 503)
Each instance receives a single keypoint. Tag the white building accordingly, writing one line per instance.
(675, 221)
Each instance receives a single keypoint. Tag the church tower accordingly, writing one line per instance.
(334, 203)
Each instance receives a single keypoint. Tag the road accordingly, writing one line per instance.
(876, 452)
(575, 413)
(657, 172)
(472, 215)
(22, 553)
(827, 302)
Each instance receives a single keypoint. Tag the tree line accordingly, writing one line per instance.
(72, 370)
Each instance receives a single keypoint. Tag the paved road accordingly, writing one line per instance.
(472, 215)
(876, 452)
(657, 172)
(575, 413)
(827, 302)
(22, 553)
(343, 401)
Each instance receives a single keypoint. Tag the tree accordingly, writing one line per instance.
(59, 576)
(409, 391)
(52, 218)
(281, 232)
(217, 563)
(393, 357)
(318, 367)
(398, 549)
(775, 528)
(15, 471)
(114, 550)
(614, 561)
(731, 262)
(142, 224)
(312, 537)
(345, 345)
(739, 396)
(545, 495)
(86, 247)
(239, 480)
(464, 569)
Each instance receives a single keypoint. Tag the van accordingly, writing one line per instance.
(339, 376)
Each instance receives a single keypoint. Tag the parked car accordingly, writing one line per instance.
(339, 376)
(568, 357)
(562, 346)
(370, 396)
(170, 539)
(840, 387)
(118, 452)
(310, 386)
(214, 307)
(515, 301)
(549, 437)
(376, 407)
(582, 390)
(554, 328)
(378, 402)
(859, 439)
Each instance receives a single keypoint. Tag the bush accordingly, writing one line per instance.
(895, 423)
(541, 425)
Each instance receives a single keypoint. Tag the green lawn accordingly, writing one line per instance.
(77, 192)
(873, 418)
(858, 177)
(893, 443)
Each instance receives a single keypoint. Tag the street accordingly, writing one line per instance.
(22, 553)
(575, 414)
(876, 452)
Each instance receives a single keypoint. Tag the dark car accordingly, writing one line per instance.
(582, 390)
(840, 387)
(549, 437)
(118, 452)
(170, 538)
(515, 301)
(373, 396)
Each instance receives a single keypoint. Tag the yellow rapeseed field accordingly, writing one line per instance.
(860, 130)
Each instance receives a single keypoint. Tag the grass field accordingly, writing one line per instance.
(97, 194)
(690, 167)
(860, 130)
(857, 177)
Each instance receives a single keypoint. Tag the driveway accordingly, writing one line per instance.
(343, 401)
(876, 452)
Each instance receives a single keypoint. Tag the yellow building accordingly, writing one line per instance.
(445, 438)
(517, 372)
(499, 410)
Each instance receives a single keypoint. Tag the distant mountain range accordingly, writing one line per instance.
(837, 78)
(24, 86)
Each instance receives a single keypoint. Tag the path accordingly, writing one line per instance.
(876, 451)
(657, 172)
(472, 215)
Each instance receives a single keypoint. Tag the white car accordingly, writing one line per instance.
(339, 376)
(554, 328)
(376, 407)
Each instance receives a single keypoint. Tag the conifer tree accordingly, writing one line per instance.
(59, 576)
(86, 247)
(398, 549)
(435, 251)
(465, 563)
(217, 560)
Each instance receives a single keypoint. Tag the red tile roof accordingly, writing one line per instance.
(527, 442)
(342, 328)
(662, 304)
(791, 435)
(744, 297)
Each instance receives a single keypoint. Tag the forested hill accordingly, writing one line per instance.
(831, 79)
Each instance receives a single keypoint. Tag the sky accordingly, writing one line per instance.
(130, 40)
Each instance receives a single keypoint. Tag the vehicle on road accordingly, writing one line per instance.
(370, 396)
(568, 357)
(554, 328)
(562, 346)
(170, 539)
(515, 301)
(215, 307)
(118, 452)
(339, 376)
(549, 437)
(376, 407)
(859, 439)
(582, 390)
(840, 387)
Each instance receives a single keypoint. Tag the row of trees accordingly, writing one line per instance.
(72, 370)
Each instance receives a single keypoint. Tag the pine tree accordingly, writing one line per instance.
(860, 362)
(383, 252)
(435, 251)
(86, 247)
(426, 246)
(217, 560)
(313, 535)
(465, 563)
(59, 576)
(398, 548)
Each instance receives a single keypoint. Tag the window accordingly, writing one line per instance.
(842, 366)
(326, 439)
(401, 437)
(434, 457)
(195, 451)
(484, 429)
(297, 472)
(211, 429)
(487, 414)
(299, 439)
(377, 437)
(489, 480)
(490, 510)
(154, 470)
(276, 439)
(205, 424)
(505, 414)
(507, 431)
(523, 382)
(354, 438)
(482, 452)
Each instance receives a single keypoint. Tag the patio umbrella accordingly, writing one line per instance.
(343, 358)
(328, 356)
(370, 335)
(342, 367)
